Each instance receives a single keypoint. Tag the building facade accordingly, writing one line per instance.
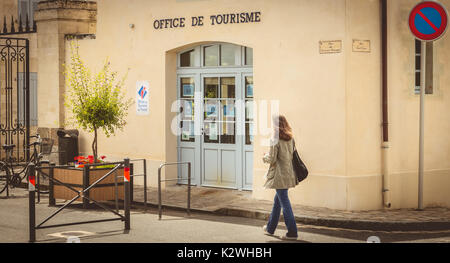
(343, 72)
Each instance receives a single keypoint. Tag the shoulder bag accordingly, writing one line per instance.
(300, 170)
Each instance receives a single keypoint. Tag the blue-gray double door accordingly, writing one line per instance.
(214, 135)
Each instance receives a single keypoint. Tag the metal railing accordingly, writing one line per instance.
(84, 194)
(177, 179)
(144, 163)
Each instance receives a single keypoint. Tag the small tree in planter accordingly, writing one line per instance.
(97, 102)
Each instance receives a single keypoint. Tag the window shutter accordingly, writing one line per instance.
(33, 100)
(23, 10)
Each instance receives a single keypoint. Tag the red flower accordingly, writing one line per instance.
(89, 160)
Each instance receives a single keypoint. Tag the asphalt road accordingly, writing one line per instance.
(175, 227)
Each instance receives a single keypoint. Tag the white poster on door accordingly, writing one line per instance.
(142, 98)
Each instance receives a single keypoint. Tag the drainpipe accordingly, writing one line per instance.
(385, 143)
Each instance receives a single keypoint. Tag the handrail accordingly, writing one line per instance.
(159, 186)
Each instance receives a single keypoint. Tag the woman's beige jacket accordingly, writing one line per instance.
(280, 174)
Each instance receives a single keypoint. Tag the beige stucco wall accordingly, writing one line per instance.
(8, 8)
(333, 101)
(404, 116)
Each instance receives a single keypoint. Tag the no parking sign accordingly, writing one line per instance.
(428, 21)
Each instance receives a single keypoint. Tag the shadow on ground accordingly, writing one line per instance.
(357, 235)
(180, 215)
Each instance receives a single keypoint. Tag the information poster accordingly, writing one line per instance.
(142, 98)
(213, 132)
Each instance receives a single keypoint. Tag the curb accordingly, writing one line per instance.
(326, 222)
(346, 223)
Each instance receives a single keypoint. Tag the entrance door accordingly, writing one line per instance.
(215, 95)
(220, 144)
(189, 121)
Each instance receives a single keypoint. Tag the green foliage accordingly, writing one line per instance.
(97, 102)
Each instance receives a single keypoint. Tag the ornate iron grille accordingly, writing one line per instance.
(15, 97)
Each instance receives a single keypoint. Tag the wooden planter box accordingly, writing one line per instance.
(74, 177)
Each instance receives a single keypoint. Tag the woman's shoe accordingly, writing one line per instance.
(286, 237)
(266, 232)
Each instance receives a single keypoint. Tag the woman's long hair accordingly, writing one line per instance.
(282, 128)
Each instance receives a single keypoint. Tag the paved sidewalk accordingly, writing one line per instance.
(240, 203)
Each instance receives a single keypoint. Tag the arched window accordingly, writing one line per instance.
(216, 55)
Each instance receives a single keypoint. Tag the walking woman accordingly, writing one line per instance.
(281, 177)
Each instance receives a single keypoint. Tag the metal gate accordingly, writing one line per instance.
(15, 97)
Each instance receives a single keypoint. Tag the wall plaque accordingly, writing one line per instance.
(330, 46)
(361, 45)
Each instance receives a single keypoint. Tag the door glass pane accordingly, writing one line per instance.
(227, 88)
(187, 88)
(228, 54)
(211, 56)
(211, 88)
(211, 110)
(249, 110)
(211, 132)
(228, 110)
(227, 97)
(187, 110)
(249, 87)
(249, 133)
(228, 135)
(187, 131)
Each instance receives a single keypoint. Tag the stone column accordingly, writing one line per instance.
(55, 20)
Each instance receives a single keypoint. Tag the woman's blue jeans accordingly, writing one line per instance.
(281, 200)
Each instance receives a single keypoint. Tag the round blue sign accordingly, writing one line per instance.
(428, 20)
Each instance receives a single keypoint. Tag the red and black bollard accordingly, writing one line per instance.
(126, 180)
(31, 204)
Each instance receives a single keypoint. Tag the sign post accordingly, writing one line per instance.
(427, 22)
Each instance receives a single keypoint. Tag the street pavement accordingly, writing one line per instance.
(175, 227)
(241, 203)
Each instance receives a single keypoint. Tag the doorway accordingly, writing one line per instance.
(215, 96)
